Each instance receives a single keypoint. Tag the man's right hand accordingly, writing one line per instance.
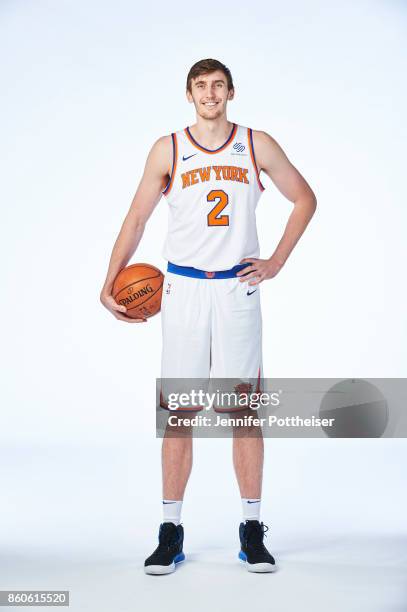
(149, 192)
(116, 309)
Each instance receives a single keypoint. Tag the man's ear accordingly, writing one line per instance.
(231, 94)
(189, 96)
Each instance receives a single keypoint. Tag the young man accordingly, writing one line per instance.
(210, 176)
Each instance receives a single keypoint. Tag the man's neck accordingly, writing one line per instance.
(211, 133)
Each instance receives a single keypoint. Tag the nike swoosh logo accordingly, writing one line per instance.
(185, 158)
(250, 292)
(253, 502)
(169, 502)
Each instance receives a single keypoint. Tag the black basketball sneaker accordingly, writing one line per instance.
(168, 552)
(253, 552)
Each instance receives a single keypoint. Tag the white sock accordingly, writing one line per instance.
(172, 511)
(251, 509)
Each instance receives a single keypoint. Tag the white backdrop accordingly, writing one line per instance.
(87, 87)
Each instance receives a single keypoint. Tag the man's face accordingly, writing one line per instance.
(209, 93)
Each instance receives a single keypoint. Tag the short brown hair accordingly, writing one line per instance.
(206, 66)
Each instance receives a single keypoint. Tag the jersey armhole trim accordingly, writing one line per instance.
(168, 186)
(252, 155)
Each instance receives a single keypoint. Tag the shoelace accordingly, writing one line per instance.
(255, 536)
(167, 538)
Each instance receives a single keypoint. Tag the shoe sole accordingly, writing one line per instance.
(260, 568)
(159, 570)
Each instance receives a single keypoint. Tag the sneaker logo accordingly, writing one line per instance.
(250, 292)
(188, 156)
(256, 501)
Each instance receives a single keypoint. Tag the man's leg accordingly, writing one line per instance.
(237, 354)
(237, 361)
(176, 467)
(185, 317)
(248, 453)
(248, 456)
(176, 462)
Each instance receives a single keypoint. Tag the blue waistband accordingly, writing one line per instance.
(195, 273)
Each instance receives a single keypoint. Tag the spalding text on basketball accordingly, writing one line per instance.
(137, 294)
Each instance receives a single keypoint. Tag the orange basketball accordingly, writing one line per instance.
(139, 288)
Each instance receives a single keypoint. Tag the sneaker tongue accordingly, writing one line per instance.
(167, 532)
(254, 526)
(254, 532)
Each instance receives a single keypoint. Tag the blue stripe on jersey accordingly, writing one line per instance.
(213, 150)
(166, 188)
(195, 273)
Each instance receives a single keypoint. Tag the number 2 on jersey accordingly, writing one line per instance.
(223, 200)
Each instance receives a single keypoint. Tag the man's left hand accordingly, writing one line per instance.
(259, 270)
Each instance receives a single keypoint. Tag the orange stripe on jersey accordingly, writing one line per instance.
(252, 155)
(198, 146)
(174, 164)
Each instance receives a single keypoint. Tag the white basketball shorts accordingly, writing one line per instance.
(211, 328)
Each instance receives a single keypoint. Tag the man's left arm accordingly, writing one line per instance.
(273, 161)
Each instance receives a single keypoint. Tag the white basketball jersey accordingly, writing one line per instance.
(212, 197)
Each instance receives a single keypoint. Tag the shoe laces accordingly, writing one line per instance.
(167, 536)
(255, 534)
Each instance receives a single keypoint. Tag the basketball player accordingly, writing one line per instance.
(209, 174)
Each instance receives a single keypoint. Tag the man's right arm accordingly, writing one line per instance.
(147, 196)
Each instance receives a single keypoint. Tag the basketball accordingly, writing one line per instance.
(139, 288)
